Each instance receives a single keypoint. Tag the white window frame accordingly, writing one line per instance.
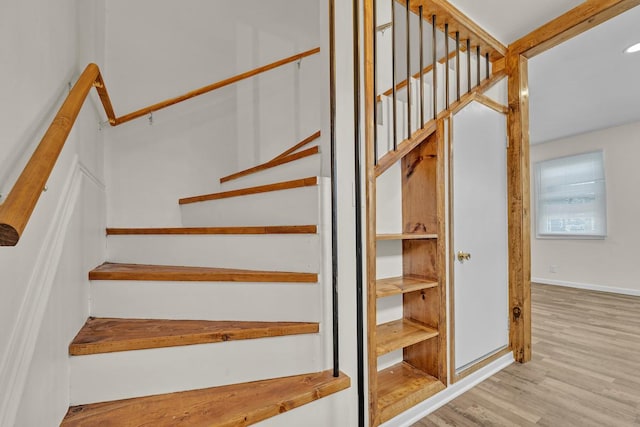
(570, 226)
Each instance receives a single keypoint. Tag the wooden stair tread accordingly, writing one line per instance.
(106, 335)
(400, 334)
(277, 229)
(298, 146)
(232, 405)
(273, 163)
(401, 387)
(401, 285)
(114, 271)
(406, 236)
(286, 185)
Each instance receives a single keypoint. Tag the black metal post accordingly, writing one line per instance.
(446, 64)
(434, 61)
(478, 65)
(334, 191)
(358, 213)
(468, 65)
(375, 82)
(458, 65)
(420, 18)
(408, 37)
(393, 75)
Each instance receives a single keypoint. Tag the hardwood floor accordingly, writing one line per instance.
(585, 369)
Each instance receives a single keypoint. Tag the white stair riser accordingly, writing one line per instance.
(296, 206)
(122, 375)
(271, 252)
(297, 169)
(294, 302)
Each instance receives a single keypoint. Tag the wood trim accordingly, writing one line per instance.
(272, 163)
(21, 201)
(166, 273)
(488, 102)
(108, 335)
(441, 253)
(479, 365)
(230, 405)
(277, 229)
(519, 200)
(451, 254)
(298, 146)
(498, 66)
(164, 104)
(297, 183)
(576, 21)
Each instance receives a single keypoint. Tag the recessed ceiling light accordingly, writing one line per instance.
(633, 49)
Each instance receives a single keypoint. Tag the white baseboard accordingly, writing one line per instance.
(423, 409)
(14, 370)
(588, 286)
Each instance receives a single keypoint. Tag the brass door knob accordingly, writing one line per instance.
(463, 256)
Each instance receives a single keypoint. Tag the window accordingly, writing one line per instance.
(571, 196)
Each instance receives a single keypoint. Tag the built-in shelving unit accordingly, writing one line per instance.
(414, 342)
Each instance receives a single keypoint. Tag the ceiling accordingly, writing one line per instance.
(588, 82)
(581, 85)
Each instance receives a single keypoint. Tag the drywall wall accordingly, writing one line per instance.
(161, 49)
(43, 279)
(609, 264)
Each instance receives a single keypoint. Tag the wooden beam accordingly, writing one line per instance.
(458, 21)
(370, 212)
(519, 208)
(576, 21)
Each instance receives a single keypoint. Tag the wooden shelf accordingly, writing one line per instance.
(401, 387)
(406, 236)
(402, 285)
(400, 334)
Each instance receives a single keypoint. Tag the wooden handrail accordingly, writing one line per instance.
(214, 86)
(21, 201)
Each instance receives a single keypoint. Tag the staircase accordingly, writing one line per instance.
(216, 323)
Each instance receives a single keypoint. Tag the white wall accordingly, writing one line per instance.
(608, 264)
(43, 281)
(161, 49)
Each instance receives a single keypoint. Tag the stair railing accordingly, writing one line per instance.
(469, 44)
(23, 197)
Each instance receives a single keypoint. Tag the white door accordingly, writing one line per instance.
(479, 229)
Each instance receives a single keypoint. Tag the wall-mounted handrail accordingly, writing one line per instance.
(214, 86)
(23, 197)
(21, 201)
